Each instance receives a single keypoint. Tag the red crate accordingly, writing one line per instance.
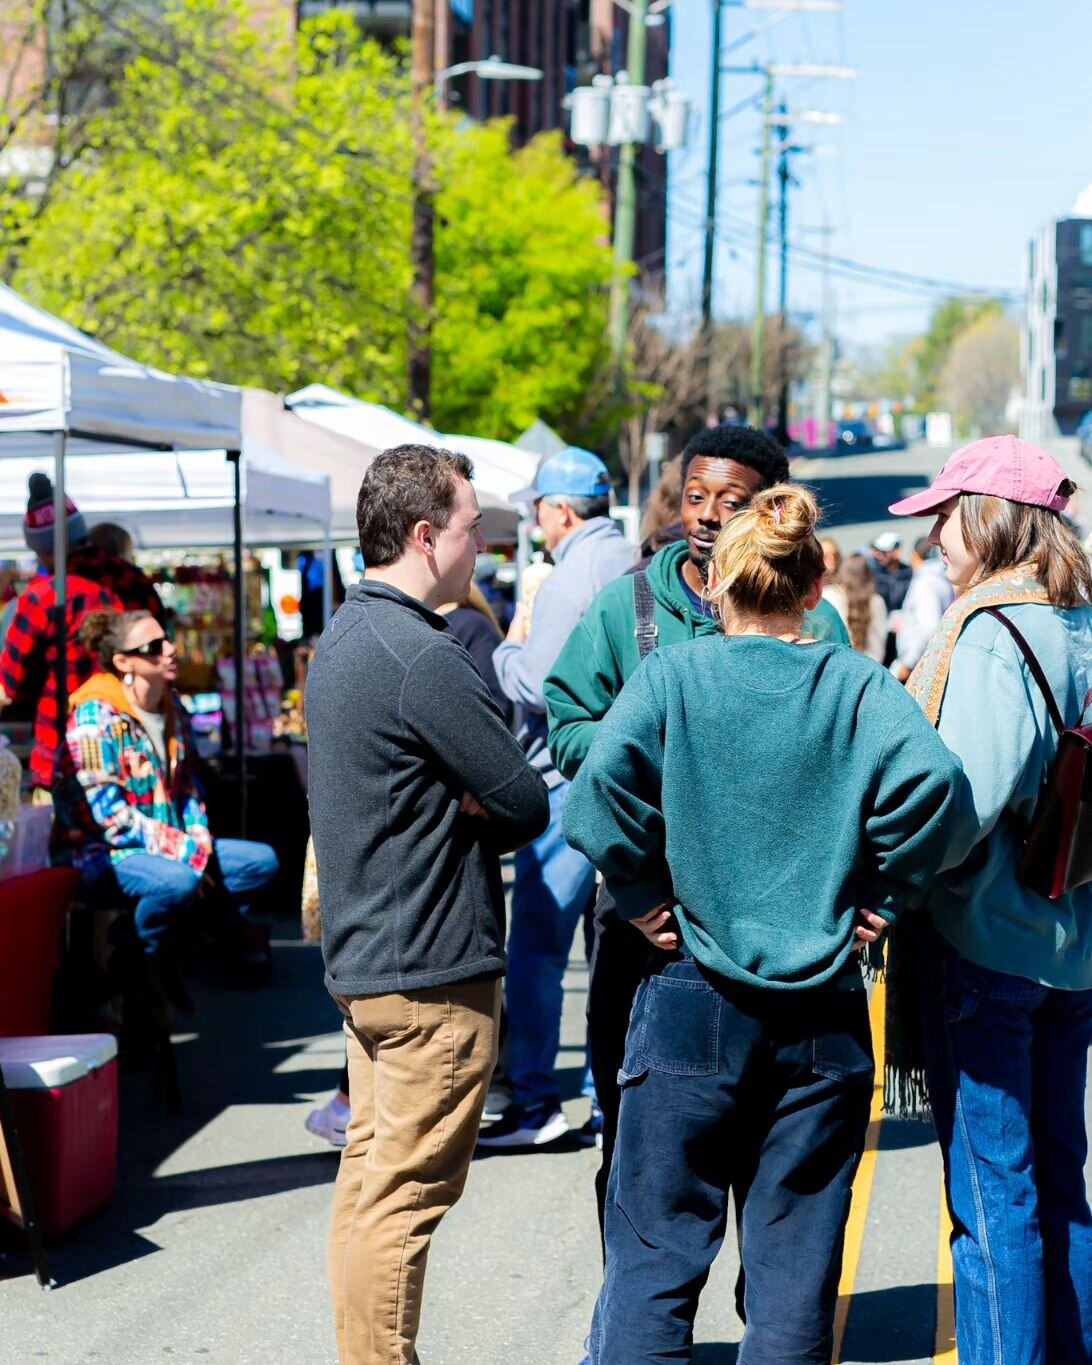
(64, 1094)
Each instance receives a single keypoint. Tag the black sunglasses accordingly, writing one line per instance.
(152, 650)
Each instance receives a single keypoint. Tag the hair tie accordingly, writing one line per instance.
(777, 513)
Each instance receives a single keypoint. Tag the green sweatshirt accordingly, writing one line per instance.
(601, 653)
(771, 790)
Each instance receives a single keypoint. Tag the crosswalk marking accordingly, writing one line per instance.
(944, 1351)
(862, 1185)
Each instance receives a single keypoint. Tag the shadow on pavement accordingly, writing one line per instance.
(889, 1325)
(896, 1135)
(862, 497)
(715, 1353)
(231, 1057)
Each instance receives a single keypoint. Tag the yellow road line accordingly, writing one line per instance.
(944, 1350)
(862, 1185)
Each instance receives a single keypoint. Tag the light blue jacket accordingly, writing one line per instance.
(995, 720)
(586, 560)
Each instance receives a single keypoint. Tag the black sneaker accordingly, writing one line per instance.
(591, 1135)
(534, 1127)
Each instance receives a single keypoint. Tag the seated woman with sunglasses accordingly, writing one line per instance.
(124, 789)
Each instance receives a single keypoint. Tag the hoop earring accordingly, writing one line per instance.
(128, 680)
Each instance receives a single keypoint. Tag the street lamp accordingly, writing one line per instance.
(487, 69)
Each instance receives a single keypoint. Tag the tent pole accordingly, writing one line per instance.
(60, 580)
(327, 577)
(239, 725)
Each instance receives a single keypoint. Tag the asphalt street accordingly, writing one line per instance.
(212, 1252)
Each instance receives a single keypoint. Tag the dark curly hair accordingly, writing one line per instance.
(746, 445)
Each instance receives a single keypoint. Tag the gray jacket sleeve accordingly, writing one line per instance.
(522, 669)
(447, 706)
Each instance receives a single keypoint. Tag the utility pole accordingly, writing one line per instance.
(442, 57)
(756, 412)
(784, 177)
(421, 242)
(711, 210)
(711, 182)
(826, 354)
(625, 200)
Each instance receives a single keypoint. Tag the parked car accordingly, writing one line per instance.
(1084, 435)
(855, 436)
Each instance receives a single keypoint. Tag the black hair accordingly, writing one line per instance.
(746, 445)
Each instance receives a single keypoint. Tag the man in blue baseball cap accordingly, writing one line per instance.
(554, 883)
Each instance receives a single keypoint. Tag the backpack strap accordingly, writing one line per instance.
(644, 613)
(1035, 666)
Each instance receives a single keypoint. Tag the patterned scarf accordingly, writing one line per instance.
(905, 1090)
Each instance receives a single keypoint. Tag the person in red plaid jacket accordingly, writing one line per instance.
(96, 581)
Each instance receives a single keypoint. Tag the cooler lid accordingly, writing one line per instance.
(54, 1060)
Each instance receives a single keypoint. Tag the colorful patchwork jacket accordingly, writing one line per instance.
(114, 796)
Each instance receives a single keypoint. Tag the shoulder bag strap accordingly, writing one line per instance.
(644, 611)
(1035, 666)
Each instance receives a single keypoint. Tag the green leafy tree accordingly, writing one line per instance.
(234, 221)
(59, 60)
(980, 374)
(244, 213)
(522, 271)
(930, 355)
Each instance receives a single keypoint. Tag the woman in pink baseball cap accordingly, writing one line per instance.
(1008, 988)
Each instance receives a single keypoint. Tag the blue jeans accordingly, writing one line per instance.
(165, 891)
(1007, 1065)
(722, 1085)
(554, 886)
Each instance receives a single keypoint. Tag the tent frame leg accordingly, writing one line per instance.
(60, 580)
(12, 1149)
(239, 726)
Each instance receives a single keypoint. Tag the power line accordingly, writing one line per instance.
(881, 275)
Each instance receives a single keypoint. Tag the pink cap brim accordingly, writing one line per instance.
(923, 504)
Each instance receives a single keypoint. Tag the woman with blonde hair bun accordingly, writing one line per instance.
(755, 800)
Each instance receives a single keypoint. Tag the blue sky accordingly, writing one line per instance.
(970, 126)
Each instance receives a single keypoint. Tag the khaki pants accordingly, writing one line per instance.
(419, 1069)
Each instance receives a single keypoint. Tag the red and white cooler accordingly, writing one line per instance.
(64, 1095)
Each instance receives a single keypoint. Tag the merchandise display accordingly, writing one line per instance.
(199, 596)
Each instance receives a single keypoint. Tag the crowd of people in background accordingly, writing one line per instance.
(719, 772)
(118, 764)
(738, 762)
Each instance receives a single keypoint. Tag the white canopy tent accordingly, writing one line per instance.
(55, 380)
(65, 398)
(176, 499)
(500, 469)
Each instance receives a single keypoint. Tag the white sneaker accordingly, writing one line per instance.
(329, 1122)
(535, 1127)
(496, 1103)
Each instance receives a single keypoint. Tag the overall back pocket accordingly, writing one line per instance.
(675, 1026)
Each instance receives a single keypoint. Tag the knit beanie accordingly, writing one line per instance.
(38, 522)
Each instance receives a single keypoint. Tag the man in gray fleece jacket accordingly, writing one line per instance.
(416, 788)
